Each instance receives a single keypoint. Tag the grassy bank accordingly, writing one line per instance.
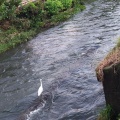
(20, 23)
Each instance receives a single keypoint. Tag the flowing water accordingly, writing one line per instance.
(65, 58)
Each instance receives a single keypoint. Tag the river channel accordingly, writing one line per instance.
(65, 58)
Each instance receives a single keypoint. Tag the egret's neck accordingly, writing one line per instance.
(41, 82)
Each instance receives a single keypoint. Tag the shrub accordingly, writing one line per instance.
(33, 12)
(3, 11)
(8, 9)
(66, 3)
(22, 24)
(53, 7)
(12, 3)
(29, 11)
(1, 1)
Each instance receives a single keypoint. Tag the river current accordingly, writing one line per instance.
(65, 57)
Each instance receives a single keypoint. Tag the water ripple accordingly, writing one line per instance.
(65, 58)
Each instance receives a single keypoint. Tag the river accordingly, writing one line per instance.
(65, 57)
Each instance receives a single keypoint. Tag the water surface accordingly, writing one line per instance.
(65, 58)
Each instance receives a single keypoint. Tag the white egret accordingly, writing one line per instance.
(40, 90)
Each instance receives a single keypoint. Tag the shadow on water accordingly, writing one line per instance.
(65, 58)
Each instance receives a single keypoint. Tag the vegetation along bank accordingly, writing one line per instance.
(21, 22)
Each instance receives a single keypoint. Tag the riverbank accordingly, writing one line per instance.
(107, 72)
(20, 23)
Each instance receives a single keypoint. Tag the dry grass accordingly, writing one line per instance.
(112, 58)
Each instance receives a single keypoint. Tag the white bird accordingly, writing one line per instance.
(40, 90)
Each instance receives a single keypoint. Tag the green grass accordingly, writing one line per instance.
(12, 37)
(108, 114)
(105, 113)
